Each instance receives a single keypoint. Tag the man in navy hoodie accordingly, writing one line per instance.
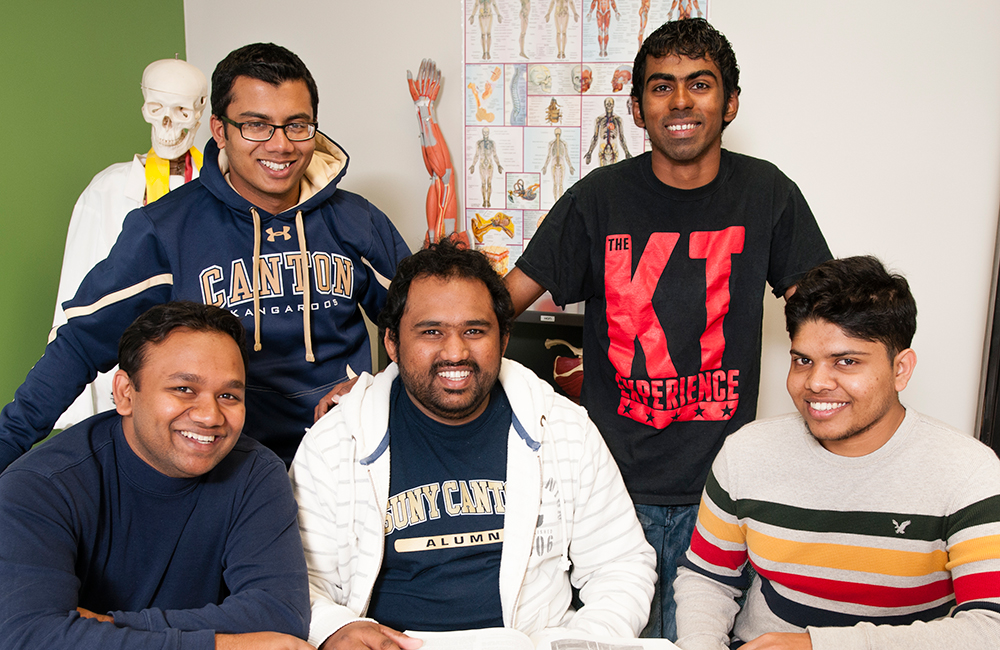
(156, 526)
(265, 233)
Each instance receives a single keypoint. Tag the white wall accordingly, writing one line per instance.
(887, 115)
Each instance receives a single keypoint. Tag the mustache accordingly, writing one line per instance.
(451, 365)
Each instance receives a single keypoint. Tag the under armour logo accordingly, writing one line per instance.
(900, 527)
(282, 233)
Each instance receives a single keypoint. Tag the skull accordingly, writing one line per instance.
(540, 77)
(175, 94)
(575, 77)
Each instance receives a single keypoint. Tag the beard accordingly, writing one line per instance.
(445, 403)
(856, 429)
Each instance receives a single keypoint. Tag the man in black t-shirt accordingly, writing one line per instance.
(456, 490)
(671, 251)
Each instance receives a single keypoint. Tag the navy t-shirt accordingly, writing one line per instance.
(444, 519)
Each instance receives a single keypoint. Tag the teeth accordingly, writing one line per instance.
(825, 406)
(275, 166)
(454, 375)
(205, 440)
(681, 127)
(171, 143)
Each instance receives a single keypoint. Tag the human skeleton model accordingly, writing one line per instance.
(643, 16)
(485, 9)
(558, 151)
(175, 94)
(608, 129)
(684, 11)
(442, 210)
(604, 9)
(562, 8)
(486, 155)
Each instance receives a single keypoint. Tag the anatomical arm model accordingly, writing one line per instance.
(441, 204)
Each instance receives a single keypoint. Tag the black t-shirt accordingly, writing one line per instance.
(673, 282)
(444, 519)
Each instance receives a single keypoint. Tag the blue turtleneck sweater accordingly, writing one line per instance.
(84, 522)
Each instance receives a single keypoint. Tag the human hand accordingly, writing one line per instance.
(780, 641)
(103, 618)
(260, 641)
(333, 397)
(367, 634)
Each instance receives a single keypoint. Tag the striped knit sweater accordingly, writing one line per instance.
(896, 549)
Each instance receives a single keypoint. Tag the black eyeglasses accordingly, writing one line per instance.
(262, 131)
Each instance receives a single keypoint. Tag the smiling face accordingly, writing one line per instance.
(683, 110)
(847, 389)
(266, 173)
(184, 410)
(449, 348)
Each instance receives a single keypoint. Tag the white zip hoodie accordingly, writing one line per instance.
(568, 517)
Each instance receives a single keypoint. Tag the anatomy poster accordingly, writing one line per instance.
(547, 86)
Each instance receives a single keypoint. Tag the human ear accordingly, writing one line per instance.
(218, 129)
(902, 367)
(390, 347)
(732, 107)
(121, 391)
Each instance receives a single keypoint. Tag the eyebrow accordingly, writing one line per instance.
(837, 355)
(438, 323)
(268, 118)
(192, 378)
(663, 76)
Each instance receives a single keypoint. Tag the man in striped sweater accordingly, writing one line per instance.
(868, 524)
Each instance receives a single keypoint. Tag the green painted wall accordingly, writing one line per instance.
(69, 107)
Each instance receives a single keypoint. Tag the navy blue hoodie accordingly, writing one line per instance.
(198, 243)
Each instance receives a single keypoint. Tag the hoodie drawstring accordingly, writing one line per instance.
(306, 285)
(256, 279)
(306, 297)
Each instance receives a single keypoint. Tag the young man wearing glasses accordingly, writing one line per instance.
(265, 233)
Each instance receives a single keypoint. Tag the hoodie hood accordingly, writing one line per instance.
(327, 167)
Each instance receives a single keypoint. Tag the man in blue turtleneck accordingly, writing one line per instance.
(156, 525)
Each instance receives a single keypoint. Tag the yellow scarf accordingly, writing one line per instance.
(158, 172)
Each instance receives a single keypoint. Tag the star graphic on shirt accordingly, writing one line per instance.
(699, 411)
(626, 409)
(727, 411)
(676, 415)
(649, 417)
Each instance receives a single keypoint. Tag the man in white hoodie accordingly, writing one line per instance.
(498, 496)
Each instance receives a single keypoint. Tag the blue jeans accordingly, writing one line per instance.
(668, 530)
